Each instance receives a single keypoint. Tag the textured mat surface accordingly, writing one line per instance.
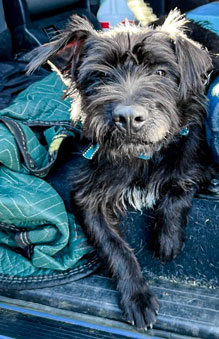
(185, 310)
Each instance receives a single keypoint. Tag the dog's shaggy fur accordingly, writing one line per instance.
(139, 92)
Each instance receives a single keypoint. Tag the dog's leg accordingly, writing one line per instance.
(138, 302)
(171, 218)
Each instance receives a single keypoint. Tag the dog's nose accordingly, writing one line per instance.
(129, 118)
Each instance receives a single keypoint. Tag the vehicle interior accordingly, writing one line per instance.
(86, 305)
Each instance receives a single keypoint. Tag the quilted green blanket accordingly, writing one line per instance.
(40, 242)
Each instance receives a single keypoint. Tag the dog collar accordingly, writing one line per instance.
(184, 132)
(93, 148)
(91, 151)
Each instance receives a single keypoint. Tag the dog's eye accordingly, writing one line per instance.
(102, 74)
(99, 74)
(161, 72)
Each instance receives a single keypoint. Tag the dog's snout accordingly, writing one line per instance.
(129, 118)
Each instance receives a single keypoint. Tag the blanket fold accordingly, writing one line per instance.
(39, 238)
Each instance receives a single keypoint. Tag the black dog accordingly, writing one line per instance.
(139, 92)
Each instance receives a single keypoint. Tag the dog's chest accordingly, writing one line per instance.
(138, 198)
(124, 185)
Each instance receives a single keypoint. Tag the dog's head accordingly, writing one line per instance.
(134, 88)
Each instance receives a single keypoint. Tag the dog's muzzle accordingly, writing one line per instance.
(129, 119)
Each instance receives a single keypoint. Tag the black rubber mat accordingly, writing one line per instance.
(185, 310)
(198, 263)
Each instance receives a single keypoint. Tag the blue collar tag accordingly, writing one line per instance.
(145, 157)
(90, 152)
(184, 132)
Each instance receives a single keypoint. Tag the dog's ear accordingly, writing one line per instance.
(65, 50)
(194, 61)
(194, 65)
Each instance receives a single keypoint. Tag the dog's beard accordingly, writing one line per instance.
(119, 144)
(156, 133)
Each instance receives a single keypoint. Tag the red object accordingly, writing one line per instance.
(104, 24)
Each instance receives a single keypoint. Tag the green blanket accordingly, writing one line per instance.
(40, 243)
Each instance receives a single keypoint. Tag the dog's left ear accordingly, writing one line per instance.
(65, 50)
(194, 61)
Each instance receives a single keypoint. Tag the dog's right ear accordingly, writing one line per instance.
(64, 51)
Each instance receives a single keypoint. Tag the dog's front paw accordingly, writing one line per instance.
(167, 247)
(141, 309)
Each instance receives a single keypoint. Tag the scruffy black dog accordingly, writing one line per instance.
(139, 92)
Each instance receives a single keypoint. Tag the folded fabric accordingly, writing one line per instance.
(14, 80)
(212, 123)
(40, 242)
(208, 14)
